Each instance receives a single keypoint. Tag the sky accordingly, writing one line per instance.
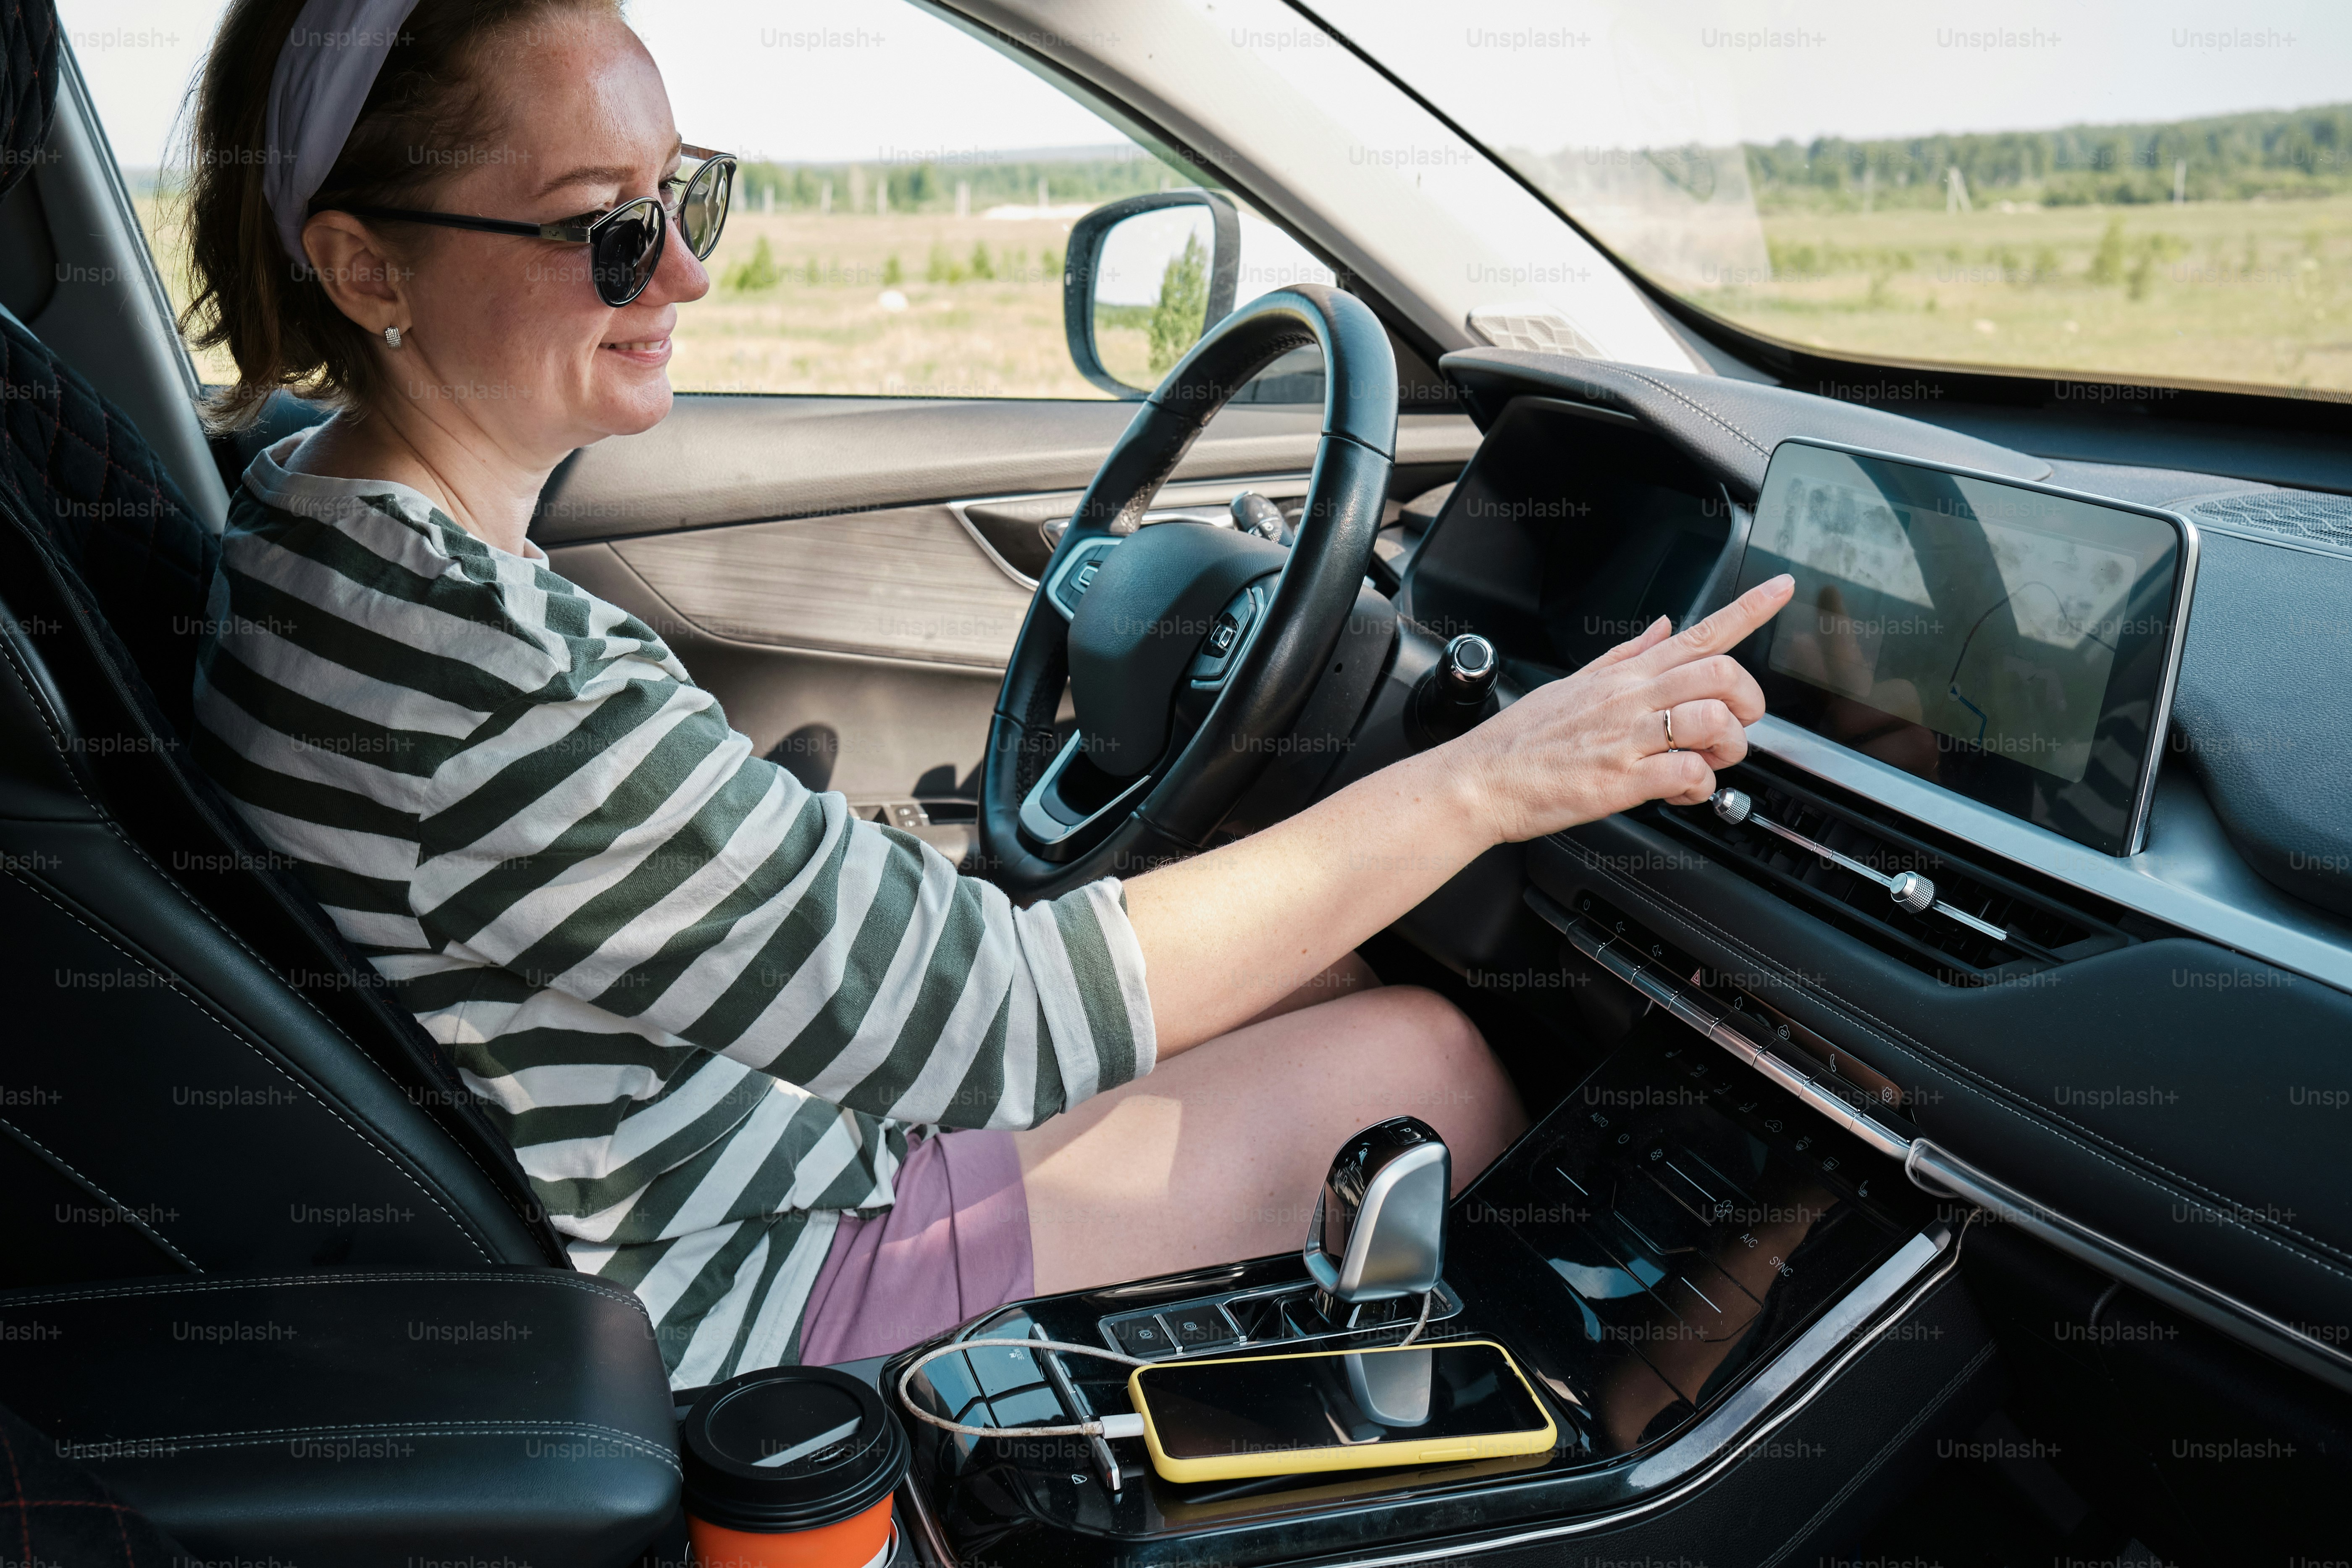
(1762, 70)
(826, 81)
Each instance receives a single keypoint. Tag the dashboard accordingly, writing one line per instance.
(2089, 1044)
(1873, 1093)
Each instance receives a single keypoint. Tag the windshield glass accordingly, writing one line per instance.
(2159, 192)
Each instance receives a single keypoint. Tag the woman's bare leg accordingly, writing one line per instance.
(1346, 974)
(1219, 1154)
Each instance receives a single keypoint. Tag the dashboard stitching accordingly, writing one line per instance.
(1694, 407)
(1917, 1049)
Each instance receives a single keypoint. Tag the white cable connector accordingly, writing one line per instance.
(1102, 1426)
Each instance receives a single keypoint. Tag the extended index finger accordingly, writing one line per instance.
(1720, 632)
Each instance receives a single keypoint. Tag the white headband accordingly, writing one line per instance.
(325, 69)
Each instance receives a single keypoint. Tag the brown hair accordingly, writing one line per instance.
(270, 311)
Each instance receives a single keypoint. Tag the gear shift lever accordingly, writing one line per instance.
(1379, 1233)
(1379, 1225)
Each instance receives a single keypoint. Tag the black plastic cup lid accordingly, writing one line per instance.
(788, 1448)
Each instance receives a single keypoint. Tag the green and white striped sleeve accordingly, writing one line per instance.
(609, 838)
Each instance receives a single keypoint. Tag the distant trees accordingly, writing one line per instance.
(1181, 313)
(928, 186)
(2303, 152)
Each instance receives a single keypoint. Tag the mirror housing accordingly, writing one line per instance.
(1083, 274)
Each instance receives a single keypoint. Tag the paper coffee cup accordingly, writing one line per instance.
(792, 1467)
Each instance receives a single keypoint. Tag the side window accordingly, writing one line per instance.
(905, 207)
(901, 220)
(139, 59)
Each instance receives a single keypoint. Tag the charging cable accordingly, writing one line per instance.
(1421, 1322)
(1101, 1425)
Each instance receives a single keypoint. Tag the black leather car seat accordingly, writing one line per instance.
(195, 1073)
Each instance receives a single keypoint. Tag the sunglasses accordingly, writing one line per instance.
(625, 242)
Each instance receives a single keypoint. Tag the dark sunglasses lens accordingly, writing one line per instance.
(625, 250)
(702, 211)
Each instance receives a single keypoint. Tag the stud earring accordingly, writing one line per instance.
(391, 336)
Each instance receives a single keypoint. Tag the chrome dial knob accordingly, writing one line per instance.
(1912, 893)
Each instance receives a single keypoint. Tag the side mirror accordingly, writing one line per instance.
(1144, 278)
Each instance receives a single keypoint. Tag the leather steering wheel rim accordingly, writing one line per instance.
(1189, 792)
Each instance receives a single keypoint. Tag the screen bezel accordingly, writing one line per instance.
(1991, 780)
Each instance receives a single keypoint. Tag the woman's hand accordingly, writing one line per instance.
(1595, 743)
(1227, 934)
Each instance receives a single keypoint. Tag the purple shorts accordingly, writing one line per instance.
(955, 1244)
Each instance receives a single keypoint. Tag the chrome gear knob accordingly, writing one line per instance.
(1379, 1225)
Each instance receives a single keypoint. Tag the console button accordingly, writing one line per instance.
(1200, 1328)
(1260, 1316)
(1707, 1193)
(1144, 1335)
(1304, 1318)
(1707, 1301)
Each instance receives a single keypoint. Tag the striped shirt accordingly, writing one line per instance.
(705, 1005)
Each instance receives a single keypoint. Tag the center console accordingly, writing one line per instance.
(1725, 1297)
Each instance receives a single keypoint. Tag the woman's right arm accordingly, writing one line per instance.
(1228, 933)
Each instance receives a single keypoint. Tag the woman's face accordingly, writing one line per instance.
(509, 335)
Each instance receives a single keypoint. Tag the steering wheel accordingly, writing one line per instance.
(1189, 650)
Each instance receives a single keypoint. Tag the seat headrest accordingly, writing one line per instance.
(28, 84)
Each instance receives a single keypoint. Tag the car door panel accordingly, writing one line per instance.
(721, 458)
(824, 565)
(894, 723)
(902, 582)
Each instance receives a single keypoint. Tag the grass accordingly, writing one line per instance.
(2226, 291)
(2251, 292)
(818, 316)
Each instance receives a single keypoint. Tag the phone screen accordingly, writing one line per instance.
(1274, 1405)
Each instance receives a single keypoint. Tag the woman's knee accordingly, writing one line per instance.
(1435, 1064)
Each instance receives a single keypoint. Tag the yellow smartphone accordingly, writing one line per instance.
(1235, 1416)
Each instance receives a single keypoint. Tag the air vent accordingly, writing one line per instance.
(1973, 926)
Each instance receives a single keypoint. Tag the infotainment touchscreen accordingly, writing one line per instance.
(2013, 643)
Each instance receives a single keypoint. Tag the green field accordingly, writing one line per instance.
(813, 318)
(2226, 291)
(2221, 292)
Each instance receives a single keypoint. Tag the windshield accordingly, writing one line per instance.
(2159, 192)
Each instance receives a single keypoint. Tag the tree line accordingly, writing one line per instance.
(2227, 157)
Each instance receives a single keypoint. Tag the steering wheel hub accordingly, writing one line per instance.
(1148, 612)
(1151, 775)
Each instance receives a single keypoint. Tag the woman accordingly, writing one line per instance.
(719, 1020)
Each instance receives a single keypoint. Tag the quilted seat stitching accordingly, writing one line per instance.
(136, 848)
(181, 989)
(217, 1286)
(144, 1227)
(644, 1447)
